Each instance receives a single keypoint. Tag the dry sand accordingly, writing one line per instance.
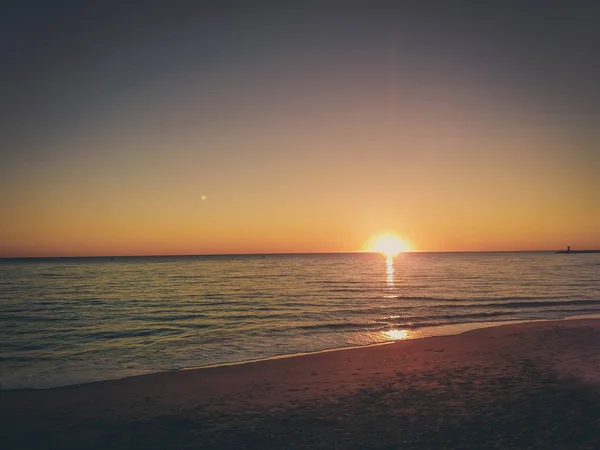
(532, 385)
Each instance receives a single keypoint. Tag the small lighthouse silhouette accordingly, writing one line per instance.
(568, 248)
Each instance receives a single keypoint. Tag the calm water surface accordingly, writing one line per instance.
(73, 320)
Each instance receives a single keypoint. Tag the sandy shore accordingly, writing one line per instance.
(533, 385)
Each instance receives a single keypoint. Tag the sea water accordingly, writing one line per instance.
(73, 320)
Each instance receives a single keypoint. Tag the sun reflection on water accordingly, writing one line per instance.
(397, 335)
(390, 272)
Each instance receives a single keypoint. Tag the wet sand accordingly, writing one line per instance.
(532, 385)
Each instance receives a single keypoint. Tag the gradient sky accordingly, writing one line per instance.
(247, 127)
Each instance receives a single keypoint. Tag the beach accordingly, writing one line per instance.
(527, 385)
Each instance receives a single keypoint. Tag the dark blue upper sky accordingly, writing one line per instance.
(57, 52)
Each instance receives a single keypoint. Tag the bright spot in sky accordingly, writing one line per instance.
(388, 244)
(203, 197)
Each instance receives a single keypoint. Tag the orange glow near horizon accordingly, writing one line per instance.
(388, 244)
(234, 138)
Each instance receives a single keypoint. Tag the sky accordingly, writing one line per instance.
(260, 127)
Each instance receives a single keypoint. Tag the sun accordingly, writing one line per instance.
(388, 244)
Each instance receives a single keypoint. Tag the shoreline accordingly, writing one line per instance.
(468, 327)
(532, 384)
(418, 334)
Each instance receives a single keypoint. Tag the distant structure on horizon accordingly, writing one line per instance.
(568, 250)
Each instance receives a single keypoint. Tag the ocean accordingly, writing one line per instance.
(74, 320)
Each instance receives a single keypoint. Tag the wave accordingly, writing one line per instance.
(8, 317)
(492, 305)
(258, 276)
(536, 304)
(582, 311)
(370, 326)
(430, 320)
(480, 315)
(474, 300)
(175, 317)
(253, 317)
(383, 326)
(133, 333)
(336, 325)
(366, 289)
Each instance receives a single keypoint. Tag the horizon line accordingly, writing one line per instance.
(267, 254)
